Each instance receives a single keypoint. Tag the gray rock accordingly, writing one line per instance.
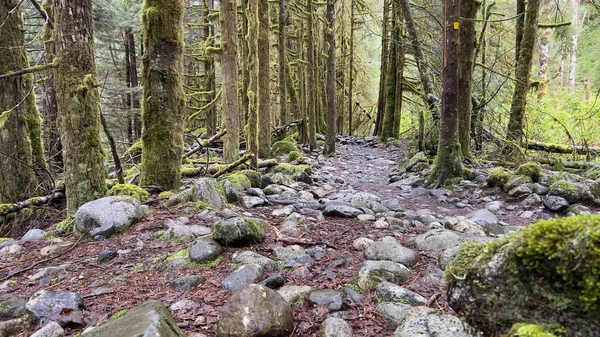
(8, 243)
(255, 311)
(342, 211)
(437, 240)
(332, 298)
(105, 216)
(493, 206)
(205, 189)
(419, 192)
(285, 211)
(295, 295)
(249, 257)
(366, 217)
(181, 304)
(296, 261)
(203, 250)
(45, 303)
(432, 277)
(187, 283)
(239, 230)
(555, 203)
(150, 318)
(389, 249)
(51, 329)
(393, 312)
(532, 201)
(521, 191)
(106, 255)
(231, 194)
(180, 228)
(282, 253)
(361, 243)
(352, 295)
(466, 226)
(371, 273)
(429, 323)
(389, 292)
(11, 306)
(335, 327)
(47, 272)
(303, 177)
(275, 281)
(482, 217)
(243, 276)
(251, 202)
(33, 235)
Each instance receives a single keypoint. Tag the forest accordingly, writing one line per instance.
(340, 167)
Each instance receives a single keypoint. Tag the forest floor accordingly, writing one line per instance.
(141, 271)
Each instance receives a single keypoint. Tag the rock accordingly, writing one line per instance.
(187, 283)
(33, 235)
(341, 210)
(483, 217)
(366, 217)
(11, 249)
(181, 304)
(231, 193)
(296, 261)
(251, 202)
(372, 273)
(56, 248)
(275, 281)
(204, 250)
(301, 272)
(532, 201)
(430, 323)
(353, 295)
(332, 298)
(389, 292)
(106, 255)
(248, 257)
(255, 311)
(243, 276)
(516, 181)
(432, 277)
(389, 249)
(361, 243)
(51, 329)
(521, 191)
(493, 206)
(303, 177)
(437, 240)
(446, 257)
(419, 192)
(47, 272)
(555, 203)
(381, 224)
(394, 313)
(11, 306)
(150, 318)
(466, 226)
(45, 303)
(180, 229)
(295, 295)
(239, 230)
(103, 217)
(285, 211)
(335, 327)
(549, 262)
(205, 189)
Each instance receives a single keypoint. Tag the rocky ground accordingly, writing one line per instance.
(358, 247)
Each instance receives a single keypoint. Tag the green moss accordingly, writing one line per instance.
(462, 262)
(4, 208)
(498, 177)
(67, 226)
(253, 176)
(130, 190)
(355, 287)
(290, 169)
(594, 175)
(516, 180)
(120, 314)
(2, 240)
(187, 171)
(283, 147)
(182, 254)
(238, 180)
(185, 254)
(595, 189)
(12, 283)
(200, 206)
(534, 330)
(295, 156)
(166, 194)
(565, 189)
(134, 151)
(531, 170)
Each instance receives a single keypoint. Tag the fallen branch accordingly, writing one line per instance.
(7, 209)
(281, 129)
(29, 70)
(205, 143)
(229, 167)
(558, 148)
(298, 241)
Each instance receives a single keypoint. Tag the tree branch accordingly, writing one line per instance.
(29, 70)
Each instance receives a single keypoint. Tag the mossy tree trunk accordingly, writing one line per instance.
(467, 38)
(311, 78)
(519, 98)
(21, 151)
(448, 162)
(231, 109)
(331, 77)
(78, 102)
(399, 89)
(351, 68)
(264, 82)
(282, 18)
(387, 127)
(209, 70)
(244, 61)
(163, 102)
(132, 83)
(253, 93)
(383, 69)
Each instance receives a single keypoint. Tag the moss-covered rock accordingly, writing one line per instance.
(239, 231)
(531, 170)
(295, 156)
(253, 176)
(291, 170)
(238, 180)
(534, 330)
(65, 227)
(191, 171)
(498, 177)
(283, 147)
(131, 190)
(419, 157)
(548, 273)
(515, 181)
(565, 189)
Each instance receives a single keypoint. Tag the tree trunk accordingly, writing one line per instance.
(134, 82)
(253, 93)
(519, 29)
(331, 77)
(519, 99)
(574, 41)
(351, 68)
(399, 72)
(387, 128)
(544, 52)
(283, 111)
(230, 109)
(264, 82)
(467, 38)
(448, 160)
(382, 69)
(209, 71)
(310, 68)
(244, 63)
(78, 102)
(163, 102)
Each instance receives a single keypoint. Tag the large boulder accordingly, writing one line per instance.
(544, 274)
(240, 231)
(45, 303)
(389, 249)
(204, 250)
(371, 273)
(11, 306)
(430, 323)
(255, 311)
(103, 217)
(335, 327)
(205, 189)
(437, 240)
(149, 319)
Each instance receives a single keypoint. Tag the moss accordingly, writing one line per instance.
(283, 147)
(200, 206)
(134, 151)
(355, 288)
(516, 180)
(594, 175)
(565, 189)
(462, 262)
(166, 194)
(187, 171)
(238, 180)
(130, 190)
(185, 254)
(182, 254)
(498, 177)
(120, 314)
(290, 169)
(534, 330)
(67, 226)
(253, 176)
(531, 170)
(295, 156)
(12, 283)
(2, 240)
(595, 189)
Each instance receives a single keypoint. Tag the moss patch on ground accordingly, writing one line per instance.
(130, 190)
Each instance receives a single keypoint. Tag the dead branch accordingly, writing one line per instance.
(229, 167)
(281, 129)
(558, 148)
(205, 143)
(32, 202)
(29, 70)
(298, 241)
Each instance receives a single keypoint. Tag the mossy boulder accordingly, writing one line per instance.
(531, 170)
(565, 189)
(419, 157)
(516, 181)
(295, 156)
(548, 273)
(131, 190)
(291, 170)
(238, 181)
(534, 330)
(239, 231)
(253, 176)
(283, 147)
(498, 177)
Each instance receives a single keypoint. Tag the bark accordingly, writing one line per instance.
(283, 111)
(519, 29)
(574, 41)
(351, 68)
(382, 69)
(33, 202)
(231, 110)
(253, 93)
(331, 80)
(209, 71)
(310, 68)
(264, 82)
(78, 102)
(519, 99)
(244, 62)
(113, 150)
(399, 89)
(544, 52)
(163, 101)
(467, 44)
(134, 83)
(342, 75)
(448, 160)
(387, 129)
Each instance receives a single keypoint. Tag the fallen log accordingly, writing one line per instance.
(564, 149)
(206, 143)
(227, 168)
(6, 209)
